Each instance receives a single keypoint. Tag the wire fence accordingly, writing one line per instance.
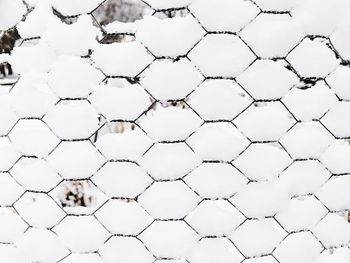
(191, 152)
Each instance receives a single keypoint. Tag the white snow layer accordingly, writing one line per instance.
(214, 131)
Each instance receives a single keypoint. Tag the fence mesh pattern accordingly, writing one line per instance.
(175, 131)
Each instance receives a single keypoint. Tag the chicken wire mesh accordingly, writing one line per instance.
(174, 131)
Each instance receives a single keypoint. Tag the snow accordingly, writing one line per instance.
(75, 7)
(304, 177)
(183, 200)
(263, 259)
(272, 120)
(340, 40)
(336, 119)
(129, 144)
(335, 157)
(31, 205)
(169, 239)
(11, 11)
(4, 57)
(29, 171)
(271, 35)
(121, 27)
(122, 217)
(8, 118)
(76, 160)
(298, 247)
(338, 80)
(10, 190)
(179, 77)
(269, 160)
(339, 201)
(333, 230)
(313, 59)
(37, 21)
(120, 100)
(267, 79)
(234, 14)
(31, 96)
(307, 140)
(11, 253)
(50, 249)
(73, 77)
(129, 249)
(75, 39)
(8, 154)
(260, 199)
(221, 55)
(131, 58)
(258, 237)
(161, 36)
(320, 17)
(168, 4)
(341, 255)
(310, 104)
(214, 218)
(163, 131)
(170, 123)
(301, 213)
(118, 179)
(219, 100)
(88, 258)
(11, 225)
(276, 5)
(211, 249)
(36, 58)
(218, 141)
(81, 234)
(33, 138)
(72, 119)
(216, 180)
(169, 161)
